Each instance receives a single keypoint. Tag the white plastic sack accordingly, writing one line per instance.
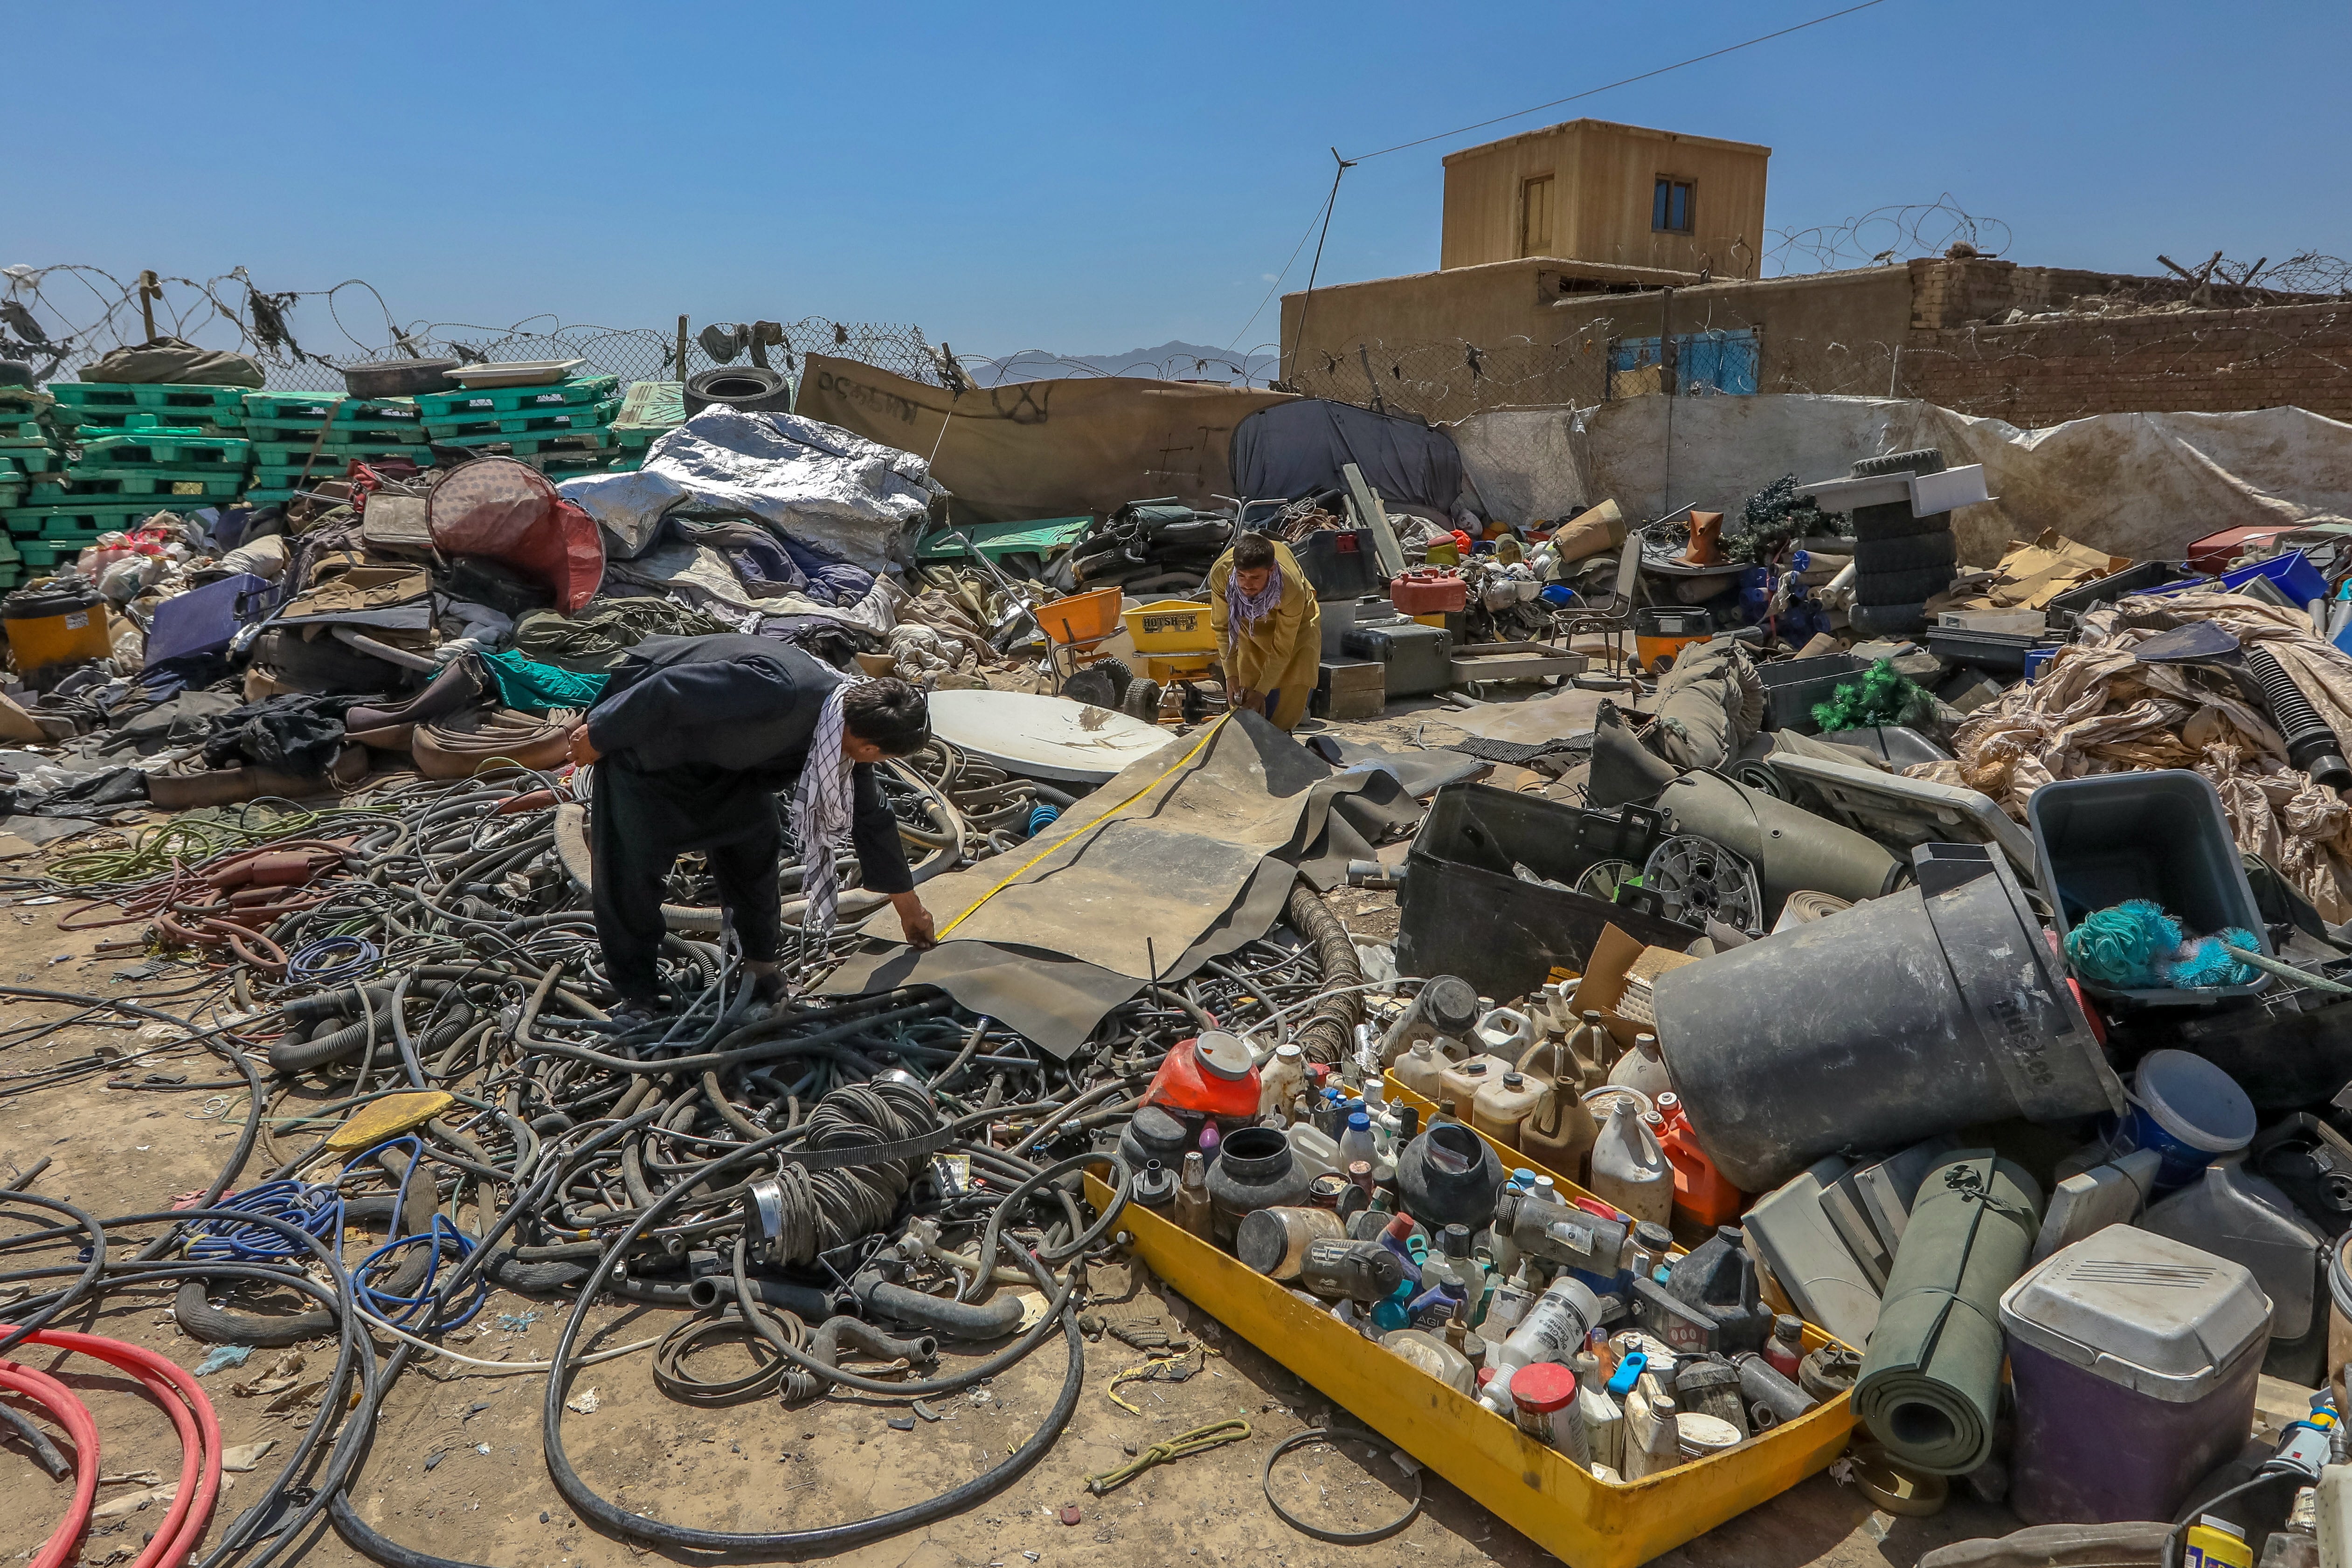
(839, 493)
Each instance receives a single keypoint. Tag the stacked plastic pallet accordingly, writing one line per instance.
(300, 439)
(650, 411)
(29, 444)
(136, 450)
(564, 428)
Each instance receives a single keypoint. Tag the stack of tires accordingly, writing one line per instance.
(1900, 562)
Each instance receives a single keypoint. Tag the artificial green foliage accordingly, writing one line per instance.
(1883, 695)
(1774, 515)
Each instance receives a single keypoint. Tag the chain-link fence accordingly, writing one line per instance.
(1449, 381)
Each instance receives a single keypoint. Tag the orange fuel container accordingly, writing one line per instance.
(1702, 1195)
(54, 622)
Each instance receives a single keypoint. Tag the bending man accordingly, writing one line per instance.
(1269, 631)
(691, 743)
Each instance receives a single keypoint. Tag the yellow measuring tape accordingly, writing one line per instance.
(1206, 735)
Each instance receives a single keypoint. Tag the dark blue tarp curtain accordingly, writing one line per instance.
(1297, 449)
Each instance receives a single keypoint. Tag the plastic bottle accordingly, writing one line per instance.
(1211, 1075)
(1785, 1350)
(1543, 1397)
(1505, 1031)
(1603, 1419)
(1642, 1068)
(1356, 1143)
(1559, 1132)
(1352, 1271)
(1719, 1278)
(1433, 1356)
(1593, 1047)
(1553, 1329)
(1509, 1302)
(1281, 1078)
(1499, 1107)
(1703, 1195)
(1313, 1148)
(1192, 1206)
(1630, 1170)
(2215, 1543)
(1419, 1069)
(1462, 1082)
(1651, 1443)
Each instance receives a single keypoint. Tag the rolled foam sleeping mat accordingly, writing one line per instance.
(1930, 1383)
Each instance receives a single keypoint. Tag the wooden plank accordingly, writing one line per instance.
(1364, 503)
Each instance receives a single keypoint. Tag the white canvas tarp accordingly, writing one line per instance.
(839, 493)
(2138, 485)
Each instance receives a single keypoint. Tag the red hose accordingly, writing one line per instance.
(182, 1528)
(64, 1542)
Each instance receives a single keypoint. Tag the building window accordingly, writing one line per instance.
(1535, 216)
(1670, 206)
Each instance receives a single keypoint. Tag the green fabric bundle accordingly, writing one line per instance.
(1883, 695)
(529, 687)
(1930, 1382)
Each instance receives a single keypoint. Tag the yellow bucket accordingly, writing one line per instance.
(1170, 626)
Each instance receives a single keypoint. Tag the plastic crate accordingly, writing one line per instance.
(79, 480)
(1792, 687)
(595, 438)
(2147, 576)
(2160, 834)
(146, 449)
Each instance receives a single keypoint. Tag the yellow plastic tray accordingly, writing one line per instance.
(1537, 1491)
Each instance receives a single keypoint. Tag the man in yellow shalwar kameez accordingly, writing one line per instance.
(1269, 631)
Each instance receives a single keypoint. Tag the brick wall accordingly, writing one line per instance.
(2045, 373)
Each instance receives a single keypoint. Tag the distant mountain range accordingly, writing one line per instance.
(1172, 361)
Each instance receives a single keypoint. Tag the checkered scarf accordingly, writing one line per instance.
(1248, 608)
(822, 808)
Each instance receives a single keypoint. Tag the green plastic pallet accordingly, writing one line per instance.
(314, 409)
(83, 480)
(294, 454)
(40, 555)
(11, 495)
(560, 465)
(280, 431)
(79, 423)
(594, 440)
(144, 449)
(576, 416)
(14, 429)
(227, 404)
(519, 400)
(34, 459)
(85, 518)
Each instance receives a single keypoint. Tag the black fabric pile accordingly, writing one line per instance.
(291, 734)
(1145, 546)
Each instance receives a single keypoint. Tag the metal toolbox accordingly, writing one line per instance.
(1420, 659)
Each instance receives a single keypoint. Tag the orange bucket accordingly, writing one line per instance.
(1081, 618)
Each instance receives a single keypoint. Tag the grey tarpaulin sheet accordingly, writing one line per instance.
(1938, 1348)
(838, 493)
(1185, 855)
(2138, 485)
(1527, 464)
(1297, 449)
(1423, 773)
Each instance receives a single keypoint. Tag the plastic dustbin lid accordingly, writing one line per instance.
(2142, 1312)
(46, 599)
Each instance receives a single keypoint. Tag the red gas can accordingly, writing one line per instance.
(1428, 591)
(1702, 1195)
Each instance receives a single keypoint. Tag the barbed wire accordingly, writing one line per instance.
(1884, 236)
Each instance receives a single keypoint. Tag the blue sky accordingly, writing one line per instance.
(1084, 178)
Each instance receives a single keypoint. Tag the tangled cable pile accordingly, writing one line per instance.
(404, 990)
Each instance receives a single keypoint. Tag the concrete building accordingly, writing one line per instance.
(1557, 284)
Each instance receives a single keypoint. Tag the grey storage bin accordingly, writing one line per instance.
(1792, 686)
(2159, 835)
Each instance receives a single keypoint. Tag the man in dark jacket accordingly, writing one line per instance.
(691, 742)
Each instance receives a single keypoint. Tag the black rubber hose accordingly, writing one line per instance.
(801, 1301)
(73, 1292)
(303, 1055)
(1331, 1028)
(964, 1320)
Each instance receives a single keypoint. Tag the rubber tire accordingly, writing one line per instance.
(1877, 558)
(1895, 522)
(1920, 460)
(1142, 700)
(746, 387)
(1888, 620)
(1901, 587)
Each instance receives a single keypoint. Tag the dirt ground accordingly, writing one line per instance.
(457, 1469)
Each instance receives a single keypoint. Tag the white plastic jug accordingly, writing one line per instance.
(1462, 1082)
(1642, 1068)
(1421, 1069)
(1630, 1169)
(1506, 1031)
